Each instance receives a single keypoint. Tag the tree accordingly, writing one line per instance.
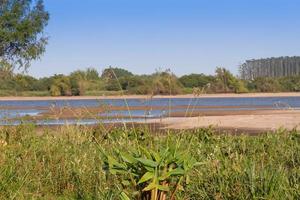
(196, 80)
(6, 70)
(77, 81)
(226, 82)
(21, 31)
(113, 73)
(267, 84)
(24, 82)
(165, 82)
(92, 74)
(61, 85)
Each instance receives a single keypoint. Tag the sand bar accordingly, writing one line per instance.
(288, 119)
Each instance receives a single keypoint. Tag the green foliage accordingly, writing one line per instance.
(165, 83)
(113, 85)
(61, 86)
(196, 80)
(139, 85)
(77, 81)
(66, 163)
(88, 82)
(290, 84)
(267, 85)
(92, 74)
(21, 28)
(6, 70)
(55, 91)
(227, 83)
(113, 73)
(153, 174)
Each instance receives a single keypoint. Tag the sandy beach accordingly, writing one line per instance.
(260, 121)
(287, 94)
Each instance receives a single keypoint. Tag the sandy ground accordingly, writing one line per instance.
(288, 119)
(288, 94)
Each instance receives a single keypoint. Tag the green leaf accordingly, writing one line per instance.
(187, 179)
(117, 171)
(128, 158)
(155, 155)
(151, 186)
(114, 164)
(176, 172)
(111, 161)
(149, 169)
(196, 164)
(146, 177)
(146, 153)
(147, 162)
(125, 183)
(180, 188)
(163, 188)
(123, 196)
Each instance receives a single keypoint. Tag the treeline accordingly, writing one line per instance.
(270, 67)
(118, 81)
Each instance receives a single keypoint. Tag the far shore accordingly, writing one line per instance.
(231, 95)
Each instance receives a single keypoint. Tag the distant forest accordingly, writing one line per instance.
(116, 81)
(271, 67)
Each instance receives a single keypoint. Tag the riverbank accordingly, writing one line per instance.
(231, 95)
(258, 121)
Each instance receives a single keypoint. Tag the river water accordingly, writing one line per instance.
(161, 107)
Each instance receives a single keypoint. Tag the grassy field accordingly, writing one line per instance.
(78, 162)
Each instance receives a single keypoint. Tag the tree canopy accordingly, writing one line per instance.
(196, 80)
(115, 72)
(21, 31)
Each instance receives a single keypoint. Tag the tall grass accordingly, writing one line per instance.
(66, 163)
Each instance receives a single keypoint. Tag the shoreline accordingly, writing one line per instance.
(227, 95)
(288, 120)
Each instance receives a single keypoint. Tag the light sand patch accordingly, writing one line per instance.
(288, 120)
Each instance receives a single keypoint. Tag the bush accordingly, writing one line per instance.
(267, 85)
(55, 90)
(196, 80)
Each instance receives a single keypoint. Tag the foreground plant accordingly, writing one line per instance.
(151, 175)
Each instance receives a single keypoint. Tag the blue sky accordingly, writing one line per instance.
(187, 36)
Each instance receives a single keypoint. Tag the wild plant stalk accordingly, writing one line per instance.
(188, 107)
(125, 100)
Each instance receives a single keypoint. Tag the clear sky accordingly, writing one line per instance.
(187, 36)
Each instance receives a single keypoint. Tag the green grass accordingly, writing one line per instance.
(67, 163)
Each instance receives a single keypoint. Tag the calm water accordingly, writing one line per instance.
(33, 107)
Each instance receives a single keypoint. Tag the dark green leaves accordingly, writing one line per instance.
(152, 171)
(21, 26)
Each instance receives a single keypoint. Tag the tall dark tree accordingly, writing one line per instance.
(270, 67)
(21, 31)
